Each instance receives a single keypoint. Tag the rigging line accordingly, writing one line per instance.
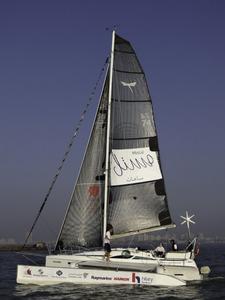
(132, 239)
(68, 148)
(29, 259)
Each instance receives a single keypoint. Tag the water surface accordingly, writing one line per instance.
(212, 255)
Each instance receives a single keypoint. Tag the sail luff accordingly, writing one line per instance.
(108, 135)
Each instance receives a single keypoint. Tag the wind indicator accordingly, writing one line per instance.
(188, 220)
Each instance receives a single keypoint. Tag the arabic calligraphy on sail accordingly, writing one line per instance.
(129, 166)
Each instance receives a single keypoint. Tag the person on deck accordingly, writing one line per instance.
(173, 245)
(107, 246)
(160, 250)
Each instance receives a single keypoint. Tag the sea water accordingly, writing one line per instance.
(213, 288)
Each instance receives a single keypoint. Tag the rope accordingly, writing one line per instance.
(29, 259)
(132, 239)
(69, 146)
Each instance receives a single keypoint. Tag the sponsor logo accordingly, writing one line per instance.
(121, 278)
(121, 164)
(101, 277)
(134, 165)
(75, 275)
(147, 280)
(28, 272)
(59, 272)
(94, 191)
(129, 85)
(135, 279)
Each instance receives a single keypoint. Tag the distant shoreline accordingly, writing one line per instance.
(35, 247)
(19, 247)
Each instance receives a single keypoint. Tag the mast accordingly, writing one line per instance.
(107, 136)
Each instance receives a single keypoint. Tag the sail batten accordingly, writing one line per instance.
(127, 100)
(127, 72)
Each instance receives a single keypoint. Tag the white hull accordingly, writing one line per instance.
(141, 267)
(49, 276)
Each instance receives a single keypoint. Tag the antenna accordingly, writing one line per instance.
(111, 28)
(188, 220)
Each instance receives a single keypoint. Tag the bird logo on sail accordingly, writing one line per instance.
(129, 85)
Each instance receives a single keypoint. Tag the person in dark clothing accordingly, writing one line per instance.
(173, 245)
(107, 246)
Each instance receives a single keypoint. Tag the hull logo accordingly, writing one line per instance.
(135, 279)
(59, 272)
(29, 272)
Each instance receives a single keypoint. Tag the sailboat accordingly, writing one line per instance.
(120, 183)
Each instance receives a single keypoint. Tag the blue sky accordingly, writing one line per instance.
(50, 56)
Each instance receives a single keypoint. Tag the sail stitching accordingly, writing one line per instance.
(135, 101)
(130, 139)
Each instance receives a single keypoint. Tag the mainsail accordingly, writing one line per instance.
(136, 193)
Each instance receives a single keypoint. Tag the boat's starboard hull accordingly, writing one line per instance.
(47, 276)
